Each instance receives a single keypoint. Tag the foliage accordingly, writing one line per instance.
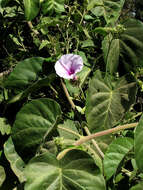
(75, 171)
(104, 96)
(84, 133)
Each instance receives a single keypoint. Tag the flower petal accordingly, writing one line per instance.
(61, 71)
(77, 63)
(68, 65)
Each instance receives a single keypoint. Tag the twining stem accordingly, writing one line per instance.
(105, 132)
(67, 94)
(94, 143)
(98, 134)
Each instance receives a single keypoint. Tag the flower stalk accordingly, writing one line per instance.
(67, 95)
(105, 132)
(98, 134)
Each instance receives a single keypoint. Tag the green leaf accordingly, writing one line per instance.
(16, 163)
(70, 134)
(83, 75)
(34, 122)
(139, 144)
(137, 187)
(2, 175)
(115, 153)
(5, 128)
(127, 47)
(76, 171)
(82, 54)
(69, 131)
(51, 6)
(110, 9)
(73, 88)
(111, 50)
(108, 100)
(43, 44)
(32, 8)
(87, 43)
(102, 30)
(45, 23)
(131, 44)
(24, 73)
(15, 39)
(32, 88)
(88, 17)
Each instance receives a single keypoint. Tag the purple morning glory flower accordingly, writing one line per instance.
(68, 65)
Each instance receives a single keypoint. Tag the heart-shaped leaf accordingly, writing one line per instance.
(76, 170)
(35, 120)
(116, 151)
(139, 144)
(108, 100)
(70, 134)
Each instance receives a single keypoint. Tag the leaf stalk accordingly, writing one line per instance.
(105, 132)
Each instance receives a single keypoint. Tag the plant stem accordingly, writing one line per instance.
(63, 153)
(67, 94)
(84, 12)
(105, 132)
(32, 28)
(94, 143)
(53, 89)
(98, 134)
